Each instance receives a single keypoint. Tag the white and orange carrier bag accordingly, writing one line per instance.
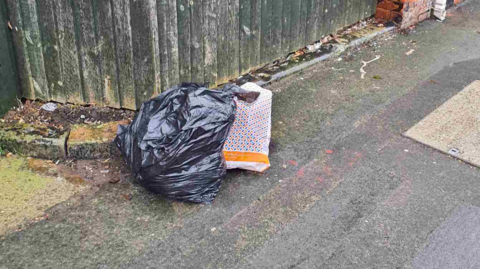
(247, 145)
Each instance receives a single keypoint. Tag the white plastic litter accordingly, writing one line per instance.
(49, 107)
(439, 10)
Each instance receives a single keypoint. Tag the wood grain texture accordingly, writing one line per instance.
(71, 79)
(47, 12)
(277, 14)
(321, 29)
(89, 51)
(245, 34)
(197, 46)
(286, 25)
(104, 35)
(146, 56)
(222, 39)
(266, 32)
(124, 53)
(184, 40)
(20, 46)
(256, 39)
(34, 49)
(210, 30)
(119, 53)
(234, 39)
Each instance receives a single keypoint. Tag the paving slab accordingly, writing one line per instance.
(33, 141)
(454, 128)
(87, 142)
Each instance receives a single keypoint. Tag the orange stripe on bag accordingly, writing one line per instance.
(234, 156)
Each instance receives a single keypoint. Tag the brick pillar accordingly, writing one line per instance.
(404, 12)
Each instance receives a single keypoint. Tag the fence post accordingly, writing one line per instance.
(8, 72)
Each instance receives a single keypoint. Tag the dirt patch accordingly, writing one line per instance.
(25, 194)
(95, 172)
(65, 115)
(30, 187)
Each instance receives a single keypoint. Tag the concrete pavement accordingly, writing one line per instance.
(379, 201)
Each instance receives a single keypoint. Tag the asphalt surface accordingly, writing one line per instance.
(379, 201)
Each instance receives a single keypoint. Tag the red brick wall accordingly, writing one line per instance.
(405, 12)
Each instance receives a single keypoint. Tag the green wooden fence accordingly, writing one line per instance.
(8, 76)
(120, 52)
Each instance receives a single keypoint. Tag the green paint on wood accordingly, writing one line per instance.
(47, 13)
(168, 41)
(234, 39)
(245, 35)
(266, 33)
(210, 29)
(302, 30)
(197, 45)
(105, 39)
(295, 25)
(286, 25)
(19, 44)
(277, 14)
(8, 75)
(124, 53)
(184, 40)
(67, 35)
(34, 49)
(121, 52)
(256, 39)
(222, 51)
(146, 57)
(311, 28)
(320, 19)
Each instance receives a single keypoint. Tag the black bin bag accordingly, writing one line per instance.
(174, 145)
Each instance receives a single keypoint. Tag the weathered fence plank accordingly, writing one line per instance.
(88, 50)
(295, 35)
(234, 39)
(71, 80)
(20, 46)
(210, 40)
(8, 74)
(222, 53)
(311, 35)
(184, 40)
(286, 26)
(197, 46)
(245, 34)
(124, 52)
(47, 12)
(340, 19)
(34, 49)
(104, 34)
(146, 57)
(277, 12)
(266, 31)
(321, 32)
(303, 24)
(121, 52)
(256, 39)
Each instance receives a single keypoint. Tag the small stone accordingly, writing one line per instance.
(82, 117)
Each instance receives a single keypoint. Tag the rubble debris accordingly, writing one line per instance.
(364, 64)
(50, 107)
